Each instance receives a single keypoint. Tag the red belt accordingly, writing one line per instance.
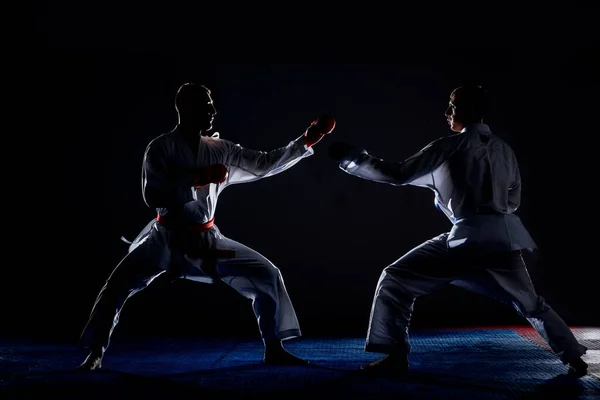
(192, 227)
(201, 253)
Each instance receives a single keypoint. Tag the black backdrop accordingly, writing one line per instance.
(96, 107)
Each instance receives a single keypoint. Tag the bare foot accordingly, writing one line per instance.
(92, 362)
(390, 365)
(578, 368)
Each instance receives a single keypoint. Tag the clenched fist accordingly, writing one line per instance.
(320, 127)
(216, 173)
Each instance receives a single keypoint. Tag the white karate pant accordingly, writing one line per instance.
(152, 254)
(501, 276)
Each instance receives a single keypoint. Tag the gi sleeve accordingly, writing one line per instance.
(408, 172)
(247, 165)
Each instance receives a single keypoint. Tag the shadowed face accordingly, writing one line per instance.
(195, 107)
(466, 106)
(455, 114)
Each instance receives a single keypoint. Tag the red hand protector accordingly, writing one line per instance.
(216, 173)
(320, 127)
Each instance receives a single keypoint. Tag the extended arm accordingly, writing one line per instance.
(414, 170)
(246, 165)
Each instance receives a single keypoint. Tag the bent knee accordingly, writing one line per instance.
(395, 274)
(396, 281)
(270, 272)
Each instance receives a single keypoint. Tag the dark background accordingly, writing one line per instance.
(95, 97)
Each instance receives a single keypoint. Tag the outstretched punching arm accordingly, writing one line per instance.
(412, 171)
(247, 165)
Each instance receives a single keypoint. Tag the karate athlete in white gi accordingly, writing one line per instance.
(476, 182)
(184, 171)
